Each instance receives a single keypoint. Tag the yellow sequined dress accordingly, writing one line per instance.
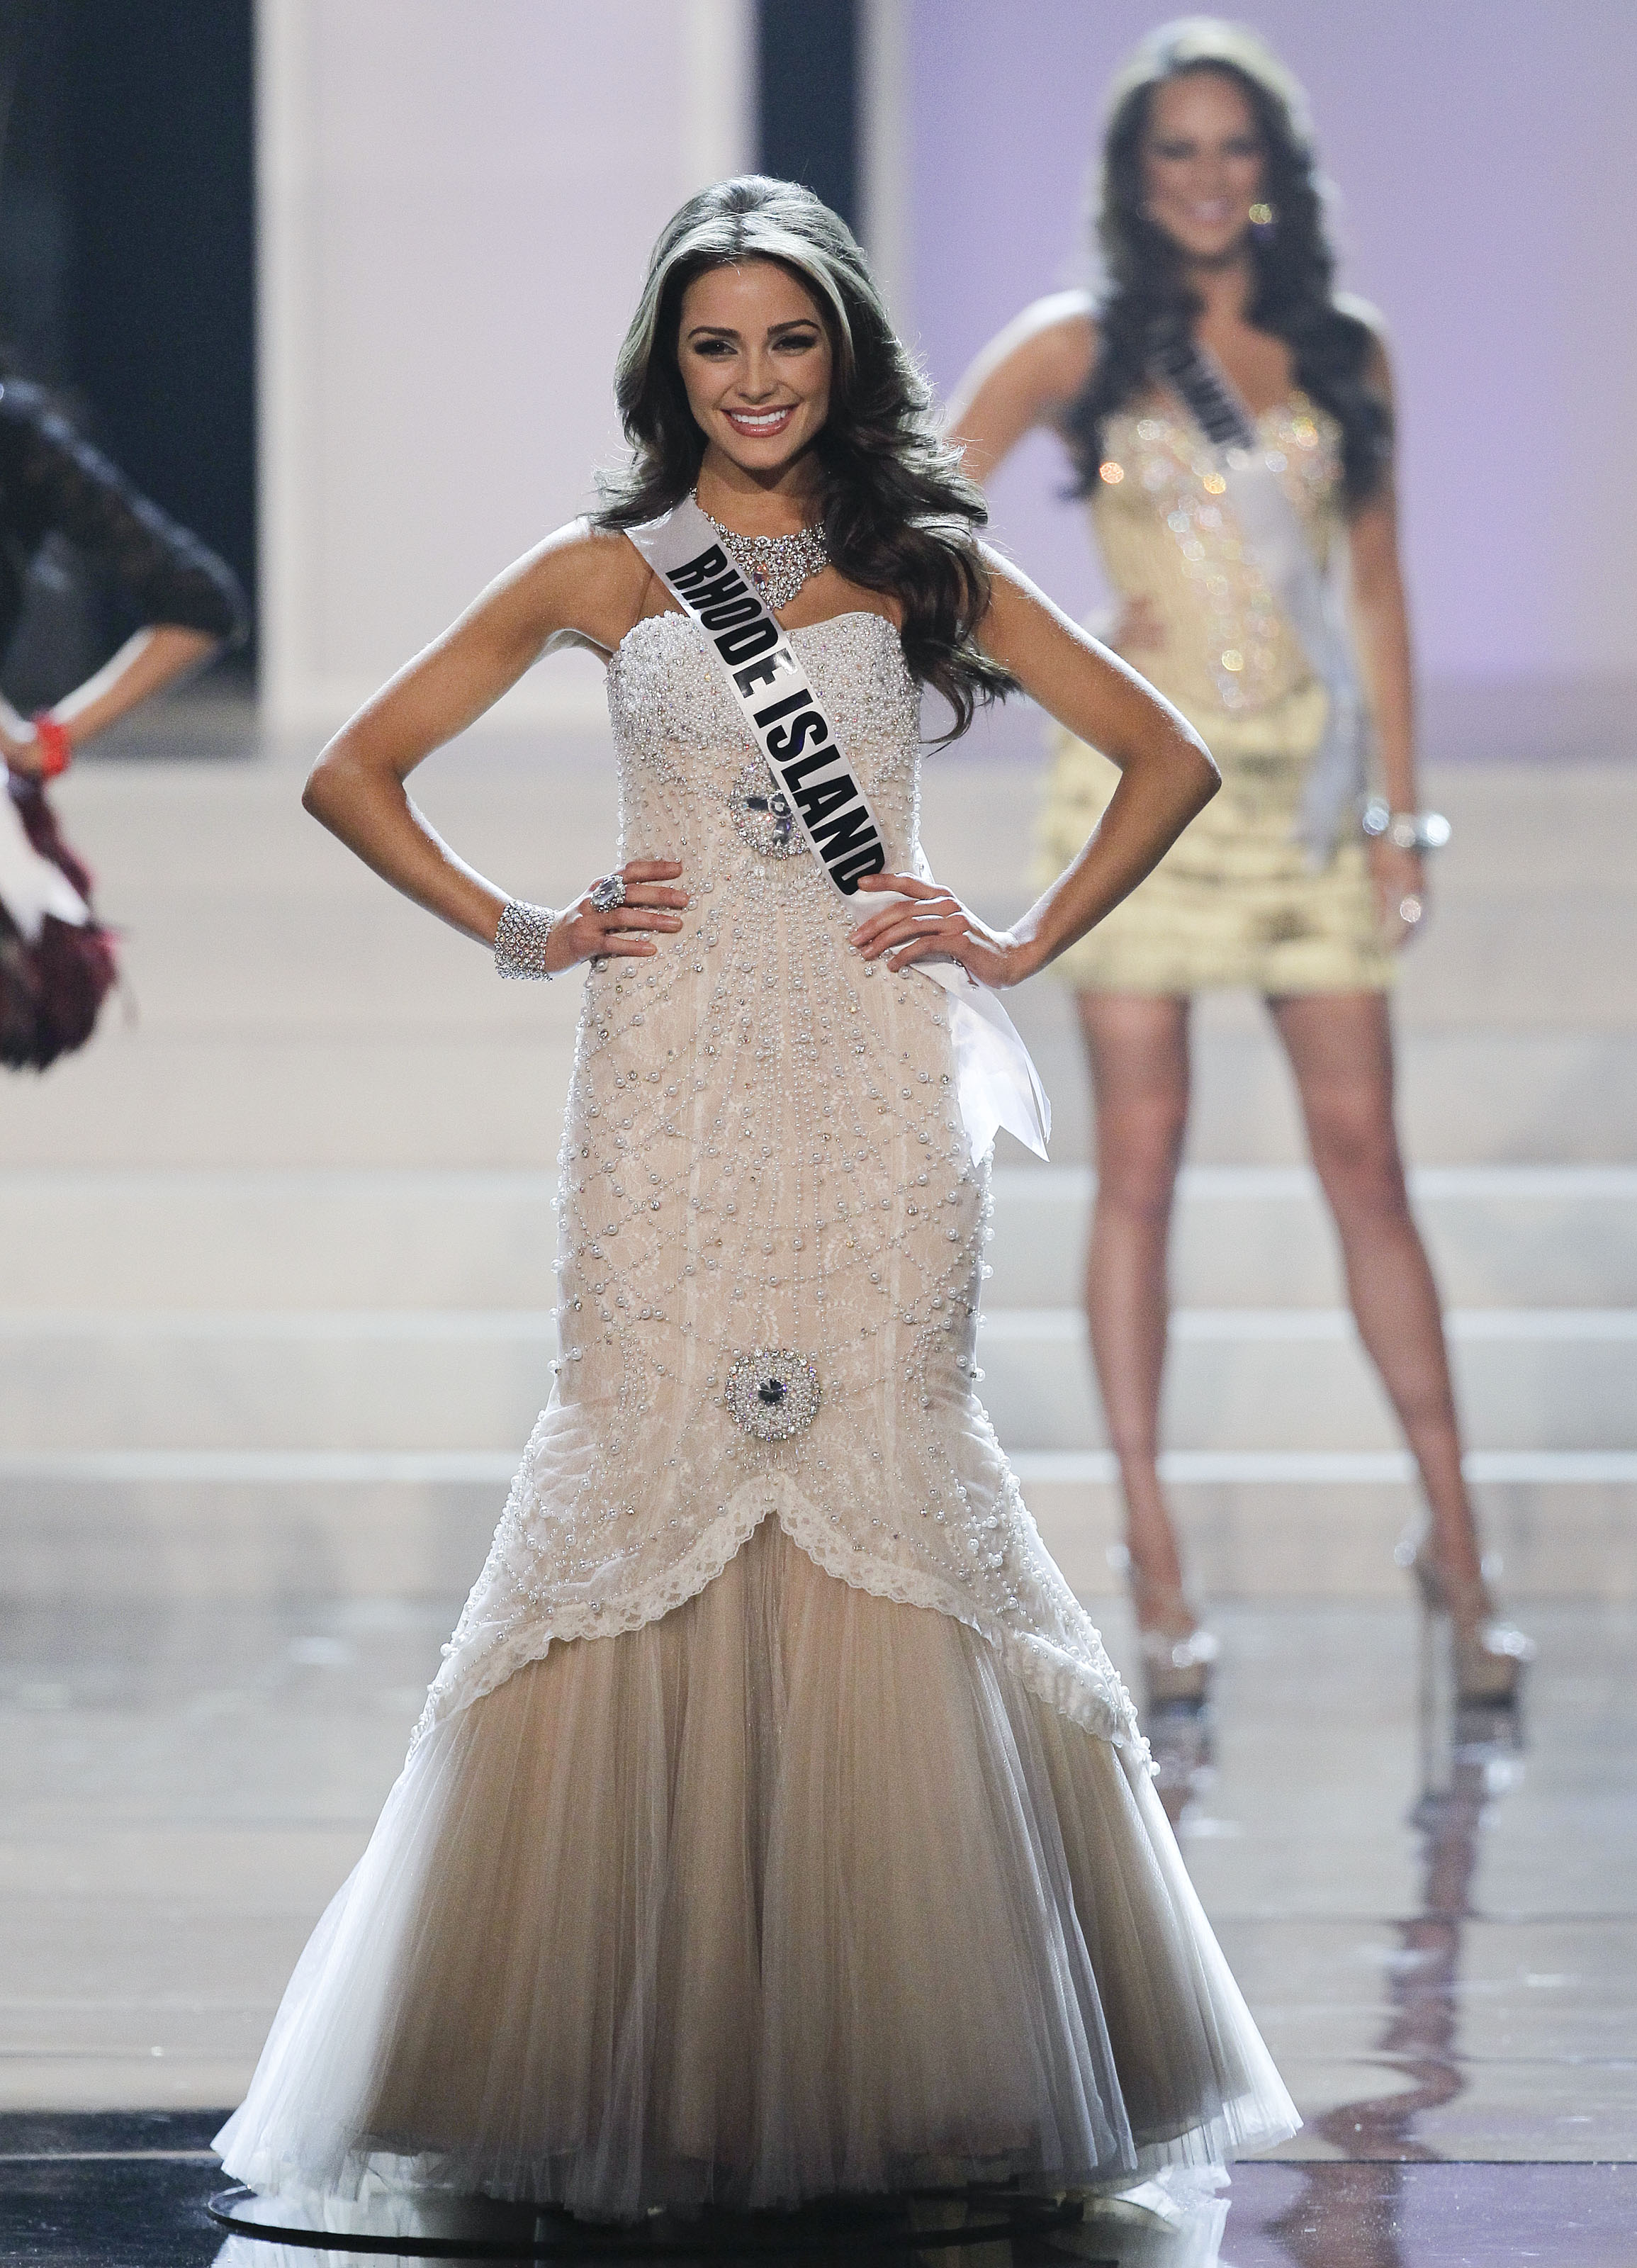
(1234, 901)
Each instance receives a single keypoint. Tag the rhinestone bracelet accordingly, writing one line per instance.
(521, 940)
(1405, 830)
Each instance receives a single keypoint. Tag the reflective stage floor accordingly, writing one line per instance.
(134, 2197)
(1435, 1926)
(123, 2193)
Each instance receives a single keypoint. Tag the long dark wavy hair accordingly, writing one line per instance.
(1145, 300)
(899, 515)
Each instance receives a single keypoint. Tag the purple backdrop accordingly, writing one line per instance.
(1488, 167)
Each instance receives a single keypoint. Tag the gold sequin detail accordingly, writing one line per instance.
(1234, 901)
(1167, 533)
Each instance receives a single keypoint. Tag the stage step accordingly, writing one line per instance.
(1261, 1236)
(383, 1379)
(1252, 1378)
(153, 1524)
(1244, 1379)
(1246, 1235)
(307, 1383)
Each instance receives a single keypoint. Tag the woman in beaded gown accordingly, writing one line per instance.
(777, 1826)
(1212, 232)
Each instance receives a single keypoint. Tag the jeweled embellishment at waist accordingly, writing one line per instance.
(773, 1393)
(763, 815)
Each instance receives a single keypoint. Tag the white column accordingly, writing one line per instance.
(455, 204)
(885, 122)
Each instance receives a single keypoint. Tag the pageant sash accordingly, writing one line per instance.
(996, 1083)
(1315, 604)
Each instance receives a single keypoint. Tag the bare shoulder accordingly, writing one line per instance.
(1055, 339)
(1378, 363)
(1363, 311)
(1018, 607)
(583, 582)
(1045, 354)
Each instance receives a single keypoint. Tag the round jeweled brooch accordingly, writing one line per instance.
(763, 815)
(773, 1393)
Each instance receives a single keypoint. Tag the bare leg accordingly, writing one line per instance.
(1137, 1047)
(1340, 1049)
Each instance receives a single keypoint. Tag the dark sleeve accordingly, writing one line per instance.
(53, 481)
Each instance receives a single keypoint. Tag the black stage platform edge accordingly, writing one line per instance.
(842, 2229)
(144, 2206)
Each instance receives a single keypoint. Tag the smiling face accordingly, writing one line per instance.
(755, 358)
(1202, 163)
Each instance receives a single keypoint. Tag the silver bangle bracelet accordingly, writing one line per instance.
(521, 939)
(1405, 830)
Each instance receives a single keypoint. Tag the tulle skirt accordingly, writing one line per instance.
(793, 1892)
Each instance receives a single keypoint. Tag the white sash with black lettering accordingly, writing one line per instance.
(996, 1082)
(1315, 604)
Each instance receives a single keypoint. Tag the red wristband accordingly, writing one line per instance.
(55, 748)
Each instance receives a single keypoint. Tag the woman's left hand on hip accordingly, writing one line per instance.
(927, 922)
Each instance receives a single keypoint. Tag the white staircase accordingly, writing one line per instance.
(267, 1382)
(274, 1262)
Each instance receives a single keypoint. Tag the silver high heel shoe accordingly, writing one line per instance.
(1176, 1650)
(1489, 1653)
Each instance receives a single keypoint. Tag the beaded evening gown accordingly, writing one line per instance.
(777, 1824)
(1234, 901)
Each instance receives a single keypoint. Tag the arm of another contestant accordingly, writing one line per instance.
(1023, 378)
(187, 599)
(1166, 776)
(573, 584)
(1027, 378)
(1381, 626)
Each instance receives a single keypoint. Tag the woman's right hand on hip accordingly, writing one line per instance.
(593, 928)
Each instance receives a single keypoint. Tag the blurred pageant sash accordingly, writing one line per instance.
(1316, 605)
(996, 1083)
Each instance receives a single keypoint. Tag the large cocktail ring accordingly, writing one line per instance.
(608, 893)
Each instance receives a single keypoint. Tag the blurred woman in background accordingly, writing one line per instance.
(1230, 417)
(56, 963)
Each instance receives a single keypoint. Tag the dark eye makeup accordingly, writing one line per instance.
(716, 344)
(1243, 145)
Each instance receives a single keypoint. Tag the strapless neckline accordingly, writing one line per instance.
(1177, 418)
(803, 630)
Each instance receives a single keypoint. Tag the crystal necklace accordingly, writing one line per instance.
(777, 565)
